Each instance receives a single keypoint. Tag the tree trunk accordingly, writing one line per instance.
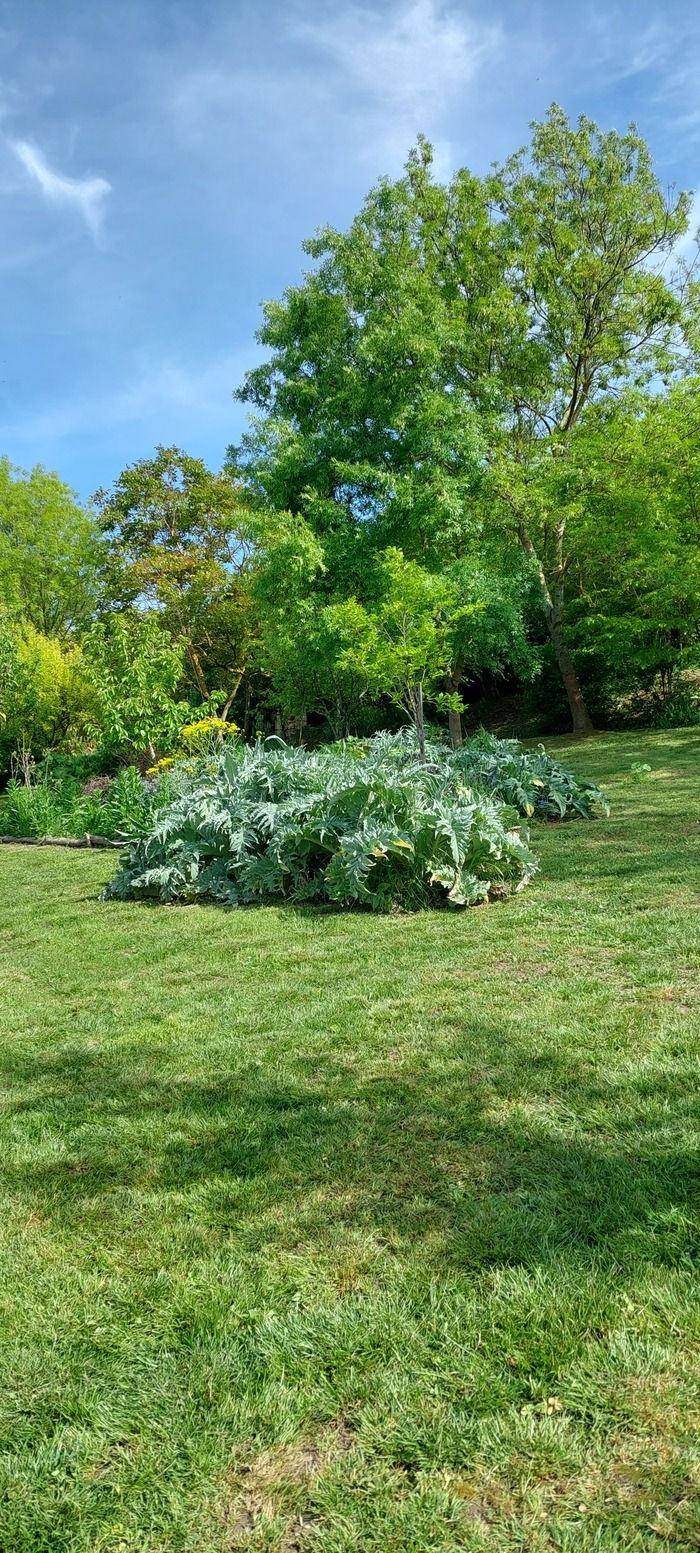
(232, 695)
(246, 714)
(552, 605)
(455, 725)
(294, 729)
(581, 721)
(194, 658)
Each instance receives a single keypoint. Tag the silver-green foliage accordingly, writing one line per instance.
(535, 784)
(353, 824)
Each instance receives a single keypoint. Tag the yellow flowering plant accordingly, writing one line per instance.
(160, 766)
(206, 734)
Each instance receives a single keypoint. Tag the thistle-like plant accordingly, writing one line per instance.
(368, 824)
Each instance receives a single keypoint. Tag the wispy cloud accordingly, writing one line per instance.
(409, 57)
(408, 63)
(85, 194)
(617, 53)
(362, 77)
(160, 400)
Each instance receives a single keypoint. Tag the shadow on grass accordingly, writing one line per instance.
(479, 1165)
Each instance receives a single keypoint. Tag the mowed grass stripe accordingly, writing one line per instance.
(337, 1232)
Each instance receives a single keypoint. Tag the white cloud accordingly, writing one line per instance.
(402, 69)
(616, 52)
(411, 57)
(679, 93)
(85, 194)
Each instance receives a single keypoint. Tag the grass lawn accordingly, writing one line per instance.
(330, 1232)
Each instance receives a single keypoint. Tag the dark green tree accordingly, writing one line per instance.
(633, 512)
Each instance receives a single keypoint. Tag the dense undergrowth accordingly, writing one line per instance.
(118, 807)
(353, 824)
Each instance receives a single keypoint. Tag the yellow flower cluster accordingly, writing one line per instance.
(196, 734)
(199, 738)
(160, 766)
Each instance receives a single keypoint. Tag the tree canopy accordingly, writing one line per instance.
(427, 379)
(49, 552)
(179, 541)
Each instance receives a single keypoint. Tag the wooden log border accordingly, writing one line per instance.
(59, 841)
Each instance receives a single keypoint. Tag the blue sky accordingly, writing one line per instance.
(161, 162)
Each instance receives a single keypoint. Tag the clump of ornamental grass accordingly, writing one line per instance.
(354, 824)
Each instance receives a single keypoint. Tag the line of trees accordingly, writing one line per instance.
(473, 455)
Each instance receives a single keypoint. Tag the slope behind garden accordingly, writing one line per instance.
(340, 1232)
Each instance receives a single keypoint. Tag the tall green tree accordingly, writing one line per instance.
(354, 428)
(634, 519)
(588, 233)
(426, 381)
(49, 552)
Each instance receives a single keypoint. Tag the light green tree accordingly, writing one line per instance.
(45, 695)
(49, 552)
(135, 672)
(402, 645)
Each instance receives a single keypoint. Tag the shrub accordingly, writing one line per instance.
(45, 699)
(206, 735)
(134, 670)
(679, 710)
(81, 768)
(353, 824)
(529, 780)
